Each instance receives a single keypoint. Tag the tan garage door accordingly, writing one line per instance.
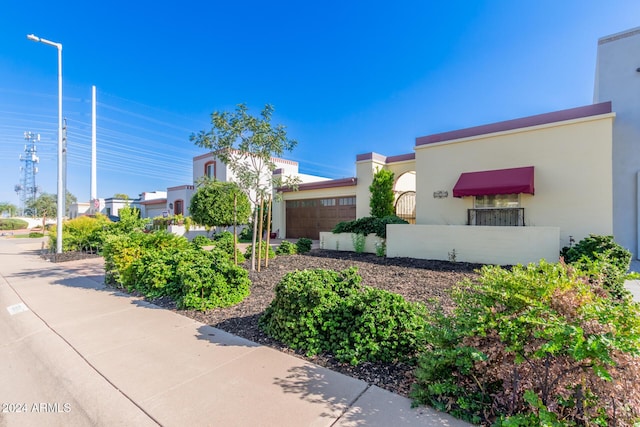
(307, 218)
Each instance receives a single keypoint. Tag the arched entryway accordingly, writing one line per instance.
(405, 190)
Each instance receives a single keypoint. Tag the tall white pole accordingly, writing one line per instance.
(60, 206)
(60, 181)
(94, 185)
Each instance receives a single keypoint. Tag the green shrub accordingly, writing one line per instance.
(246, 235)
(303, 245)
(13, 224)
(595, 245)
(603, 260)
(200, 240)
(35, 235)
(534, 345)
(162, 264)
(121, 251)
(209, 279)
(286, 248)
(263, 252)
(321, 310)
(81, 234)
(368, 225)
(224, 242)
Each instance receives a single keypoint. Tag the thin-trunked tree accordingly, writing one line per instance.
(247, 145)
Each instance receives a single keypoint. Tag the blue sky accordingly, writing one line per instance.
(345, 77)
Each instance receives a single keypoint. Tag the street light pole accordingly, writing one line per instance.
(60, 202)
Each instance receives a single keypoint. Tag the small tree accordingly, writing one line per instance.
(9, 208)
(247, 145)
(44, 204)
(382, 196)
(212, 204)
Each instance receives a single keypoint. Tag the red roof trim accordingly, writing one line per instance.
(540, 119)
(500, 181)
(385, 159)
(343, 182)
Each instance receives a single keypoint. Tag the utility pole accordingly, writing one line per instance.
(64, 167)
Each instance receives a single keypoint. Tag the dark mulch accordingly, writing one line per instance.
(67, 256)
(416, 280)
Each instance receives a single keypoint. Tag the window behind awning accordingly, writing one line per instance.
(499, 181)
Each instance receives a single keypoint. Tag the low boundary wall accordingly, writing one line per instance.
(344, 242)
(476, 244)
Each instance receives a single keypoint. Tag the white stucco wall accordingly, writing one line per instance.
(617, 80)
(573, 184)
(483, 245)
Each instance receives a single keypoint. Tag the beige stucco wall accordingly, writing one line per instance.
(345, 242)
(365, 170)
(573, 180)
(484, 245)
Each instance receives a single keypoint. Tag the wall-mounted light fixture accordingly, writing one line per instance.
(171, 206)
(440, 194)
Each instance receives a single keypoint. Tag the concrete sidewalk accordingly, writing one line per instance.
(76, 353)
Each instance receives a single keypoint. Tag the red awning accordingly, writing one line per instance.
(501, 181)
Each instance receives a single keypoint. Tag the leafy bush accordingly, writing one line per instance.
(35, 235)
(603, 260)
(286, 248)
(368, 225)
(122, 251)
(200, 240)
(535, 345)
(303, 245)
(246, 235)
(224, 242)
(263, 251)
(322, 310)
(209, 279)
(162, 264)
(13, 224)
(81, 234)
(595, 245)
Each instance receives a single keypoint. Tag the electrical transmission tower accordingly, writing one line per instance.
(27, 189)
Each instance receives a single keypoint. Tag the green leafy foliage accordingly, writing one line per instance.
(13, 224)
(247, 145)
(209, 279)
(382, 196)
(303, 245)
(213, 204)
(595, 245)
(323, 310)
(264, 250)
(368, 225)
(603, 260)
(161, 264)
(200, 240)
(539, 331)
(81, 234)
(286, 248)
(224, 241)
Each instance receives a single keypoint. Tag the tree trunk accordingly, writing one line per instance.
(260, 232)
(266, 258)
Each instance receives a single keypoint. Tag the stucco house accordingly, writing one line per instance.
(510, 192)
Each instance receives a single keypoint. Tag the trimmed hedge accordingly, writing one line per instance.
(368, 225)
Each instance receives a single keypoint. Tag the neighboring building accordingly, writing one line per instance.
(152, 204)
(78, 209)
(617, 80)
(112, 205)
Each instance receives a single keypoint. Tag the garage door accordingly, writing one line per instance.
(307, 218)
